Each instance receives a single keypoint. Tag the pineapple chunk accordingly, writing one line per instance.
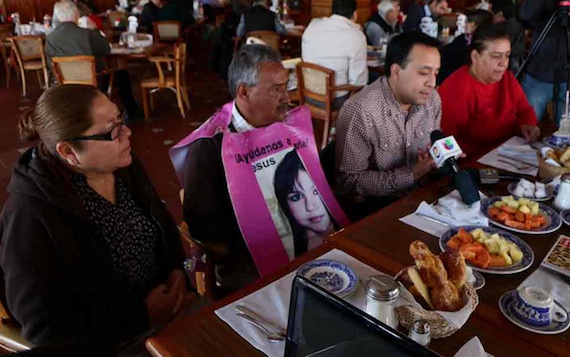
(523, 201)
(499, 204)
(507, 199)
(515, 253)
(513, 204)
(507, 258)
(533, 207)
(476, 233)
(492, 246)
(503, 246)
(524, 209)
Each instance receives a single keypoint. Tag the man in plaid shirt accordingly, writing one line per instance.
(383, 132)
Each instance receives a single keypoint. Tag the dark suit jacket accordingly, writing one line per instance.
(68, 39)
(453, 56)
(414, 18)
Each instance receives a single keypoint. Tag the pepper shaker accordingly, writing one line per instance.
(420, 332)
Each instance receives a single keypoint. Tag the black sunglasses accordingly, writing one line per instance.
(111, 135)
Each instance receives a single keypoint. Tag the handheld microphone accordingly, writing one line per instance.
(445, 151)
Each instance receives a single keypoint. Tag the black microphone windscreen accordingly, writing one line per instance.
(467, 188)
(436, 135)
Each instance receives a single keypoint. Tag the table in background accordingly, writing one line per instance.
(381, 241)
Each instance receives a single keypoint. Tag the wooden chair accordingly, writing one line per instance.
(6, 51)
(80, 70)
(318, 83)
(167, 31)
(175, 81)
(29, 51)
(271, 38)
(214, 252)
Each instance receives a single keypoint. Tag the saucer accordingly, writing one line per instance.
(506, 305)
(479, 280)
(334, 276)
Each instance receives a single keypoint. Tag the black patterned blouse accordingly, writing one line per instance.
(130, 236)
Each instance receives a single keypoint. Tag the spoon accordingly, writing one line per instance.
(271, 336)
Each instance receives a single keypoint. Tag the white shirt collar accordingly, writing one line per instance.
(343, 19)
(427, 10)
(240, 124)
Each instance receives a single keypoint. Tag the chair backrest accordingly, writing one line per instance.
(315, 82)
(167, 31)
(271, 38)
(75, 70)
(5, 33)
(28, 48)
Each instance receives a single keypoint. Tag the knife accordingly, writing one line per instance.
(247, 311)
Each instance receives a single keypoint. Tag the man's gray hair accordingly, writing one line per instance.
(244, 68)
(65, 11)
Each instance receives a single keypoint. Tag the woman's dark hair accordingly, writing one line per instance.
(507, 7)
(344, 8)
(485, 34)
(399, 48)
(61, 113)
(284, 183)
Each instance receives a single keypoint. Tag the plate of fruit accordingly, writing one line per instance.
(489, 249)
(521, 215)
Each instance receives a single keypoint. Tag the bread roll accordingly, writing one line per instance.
(412, 281)
(565, 156)
(551, 154)
(445, 297)
(454, 263)
(429, 266)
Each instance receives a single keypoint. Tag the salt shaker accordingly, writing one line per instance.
(382, 292)
(562, 200)
(420, 332)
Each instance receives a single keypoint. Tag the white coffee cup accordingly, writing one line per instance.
(535, 307)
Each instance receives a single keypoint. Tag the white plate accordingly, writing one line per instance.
(553, 221)
(549, 194)
(331, 275)
(505, 304)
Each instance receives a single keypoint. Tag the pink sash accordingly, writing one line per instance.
(251, 160)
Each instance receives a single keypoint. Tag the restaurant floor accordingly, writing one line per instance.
(150, 140)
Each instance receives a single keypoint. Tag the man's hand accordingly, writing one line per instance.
(424, 165)
(530, 133)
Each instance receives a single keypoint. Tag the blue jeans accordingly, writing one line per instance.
(539, 93)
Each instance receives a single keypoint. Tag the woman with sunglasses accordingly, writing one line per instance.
(89, 251)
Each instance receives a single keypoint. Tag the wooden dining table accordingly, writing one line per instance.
(382, 241)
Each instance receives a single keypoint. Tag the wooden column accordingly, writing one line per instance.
(322, 8)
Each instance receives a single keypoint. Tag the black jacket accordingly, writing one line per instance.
(548, 63)
(414, 18)
(259, 18)
(209, 212)
(57, 271)
(453, 56)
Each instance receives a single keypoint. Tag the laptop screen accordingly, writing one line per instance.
(321, 324)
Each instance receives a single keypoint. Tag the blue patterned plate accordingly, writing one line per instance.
(525, 263)
(553, 221)
(506, 303)
(565, 215)
(549, 194)
(331, 275)
(555, 142)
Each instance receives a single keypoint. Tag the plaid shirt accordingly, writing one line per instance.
(240, 124)
(378, 142)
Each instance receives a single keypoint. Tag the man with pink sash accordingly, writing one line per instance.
(251, 174)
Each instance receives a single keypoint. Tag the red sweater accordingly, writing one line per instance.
(482, 116)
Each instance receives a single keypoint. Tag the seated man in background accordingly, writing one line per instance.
(483, 104)
(338, 43)
(456, 54)
(68, 39)
(383, 132)
(383, 23)
(259, 18)
(416, 12)
(151, 13)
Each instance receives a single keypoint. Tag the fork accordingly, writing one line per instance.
(515, 165)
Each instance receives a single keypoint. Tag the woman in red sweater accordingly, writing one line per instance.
(483, 105)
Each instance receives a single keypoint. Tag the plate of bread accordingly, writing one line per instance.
(439, 284)
(488, 249)
(521, 215)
